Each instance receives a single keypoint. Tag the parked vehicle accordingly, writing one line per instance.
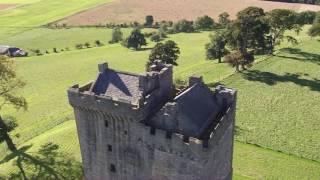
(12, 51)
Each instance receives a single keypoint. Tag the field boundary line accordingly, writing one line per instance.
(77, 13)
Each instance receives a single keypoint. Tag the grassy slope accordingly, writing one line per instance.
(285, 93)
(49, 107)
(80, 66)
(257, 163)
(49, 111)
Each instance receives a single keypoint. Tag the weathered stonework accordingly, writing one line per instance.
(136, 127)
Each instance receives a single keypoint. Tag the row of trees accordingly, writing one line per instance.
(254, 31)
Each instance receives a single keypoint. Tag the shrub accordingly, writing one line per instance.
(149, 21)
(224, 19)
(135, 40)
(155, 38)
(306, 17)
(216, 48)
(183, 26)
(167, 53)
(204, 23)
(98, 43)
(87, 44)
(36, 52)
(237, 59)
(55, 50)
(149, 34)
(314, 30)
(117, 36)
(79, 46)
(317, 18)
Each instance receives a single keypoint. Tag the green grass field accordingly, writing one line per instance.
(49, 76)
(39, 13)
(278, 97)
(278, 103)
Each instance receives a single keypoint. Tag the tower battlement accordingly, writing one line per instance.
(136, 126)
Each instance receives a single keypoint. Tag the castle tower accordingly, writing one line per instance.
(139, 127)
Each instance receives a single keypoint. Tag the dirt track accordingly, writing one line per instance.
(136, 10)
(7, 6)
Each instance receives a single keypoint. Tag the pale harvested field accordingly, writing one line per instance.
(7, 6)
(136, 10)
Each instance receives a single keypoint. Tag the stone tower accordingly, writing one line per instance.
(140, 127)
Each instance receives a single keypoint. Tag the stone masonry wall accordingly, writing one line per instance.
(138, 154)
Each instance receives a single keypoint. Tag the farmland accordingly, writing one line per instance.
(136, 10)
(277, 100)
(73, 66)
(39, 13)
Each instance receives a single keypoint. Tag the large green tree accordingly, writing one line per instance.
(167, 53)
(149, 21)
(249, 30)
(183, 26)
(238, 59)
(217, 47)
(117, 35)
(314, 30)
(224, 19)
(317, 18)
(135, 40)
(9, 83)
(204, 23)
(281, 20)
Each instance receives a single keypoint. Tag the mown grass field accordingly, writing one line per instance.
(38, 13)
(278, 98)
(278, 103)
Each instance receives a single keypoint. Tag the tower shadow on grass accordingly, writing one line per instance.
(272, 79)
(299, 55)
(46, 163)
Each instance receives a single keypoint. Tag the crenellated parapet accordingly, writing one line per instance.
(136, 126)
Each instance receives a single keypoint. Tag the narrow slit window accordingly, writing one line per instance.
(186, 139)
(106, 123)
(109, 148)
(168, 135)
(112, 168)
(153, 131)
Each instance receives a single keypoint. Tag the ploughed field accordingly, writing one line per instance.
(278, 99)
(136, 10)
(6, 6)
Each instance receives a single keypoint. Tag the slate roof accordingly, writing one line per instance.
(197, 109)
(118, 85)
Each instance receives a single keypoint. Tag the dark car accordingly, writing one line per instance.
(12, 51)
(16, 52)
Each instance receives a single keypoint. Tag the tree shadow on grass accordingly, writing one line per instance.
(272, 79)
(46, 163)
(144, 49)
(300, 55)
